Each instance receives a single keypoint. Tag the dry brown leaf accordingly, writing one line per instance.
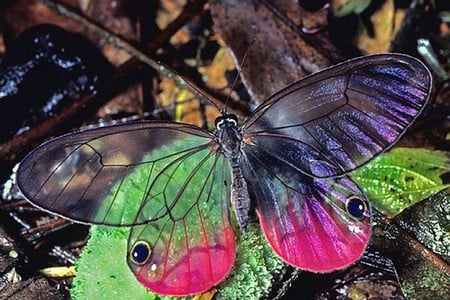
(214, 74)
(383, 22)
(279, 54)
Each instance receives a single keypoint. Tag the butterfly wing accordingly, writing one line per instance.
(171, 180)
(336, 120)
(314, 224)
(189, 247)
(80, 175)
(300, 140)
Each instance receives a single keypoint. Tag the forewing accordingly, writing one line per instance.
(336, 120)
(91, 176)
(314, 224)
(189, 247)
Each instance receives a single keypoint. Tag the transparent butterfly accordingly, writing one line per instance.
(289, 160)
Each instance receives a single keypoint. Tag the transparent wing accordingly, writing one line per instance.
(336, 120)
(189, 246)
(314, 224)
(167, 176)
(91, 176)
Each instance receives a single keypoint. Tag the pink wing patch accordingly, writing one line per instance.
(320, 227)
(188, 267)
(314, 224)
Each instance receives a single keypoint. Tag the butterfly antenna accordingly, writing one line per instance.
(239, 69)
(192, 85)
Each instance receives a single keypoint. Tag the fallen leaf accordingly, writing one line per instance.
(402, 177)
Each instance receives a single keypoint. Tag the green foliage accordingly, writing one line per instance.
(402, 177)
(102, 271)
(352, 6)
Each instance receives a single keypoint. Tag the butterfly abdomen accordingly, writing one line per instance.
(240, 198)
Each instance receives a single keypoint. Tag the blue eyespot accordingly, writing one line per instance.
(140, 253)
(356, 207)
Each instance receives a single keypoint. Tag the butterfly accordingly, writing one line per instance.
(289, 161)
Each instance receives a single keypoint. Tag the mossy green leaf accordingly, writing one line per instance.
(403, 177)
(256, 269)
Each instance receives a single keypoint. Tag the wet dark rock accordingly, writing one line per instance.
(42, 72)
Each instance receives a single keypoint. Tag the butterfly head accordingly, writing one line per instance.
(228, 135)
(226, 121)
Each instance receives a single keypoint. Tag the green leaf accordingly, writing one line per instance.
(402, 177)
(352, 6)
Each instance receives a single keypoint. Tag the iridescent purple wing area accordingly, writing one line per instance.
(300, 142)
(338, 119)
(314, 224)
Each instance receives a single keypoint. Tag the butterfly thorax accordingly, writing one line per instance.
(230, 140)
